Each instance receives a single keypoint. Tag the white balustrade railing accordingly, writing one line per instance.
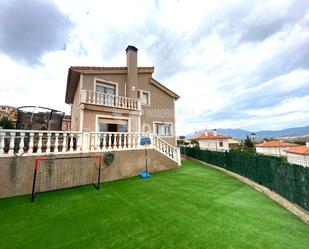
(103, 141)
(31, 142)
(20, 142)
(92, 97)
(166, 149)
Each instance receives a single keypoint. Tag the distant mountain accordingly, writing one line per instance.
(239, 133)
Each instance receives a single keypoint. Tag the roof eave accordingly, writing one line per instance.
(164, 88)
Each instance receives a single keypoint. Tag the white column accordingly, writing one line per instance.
(97, 142)
(86, 141)
(138, 140)
(64, 143)
(30, 151)
(104, 142)
(12, 143)
(22, 143)
(56, 142)
(2, 134)
(92, 141)
(48, 143)
(71, 142)
(78, 142)
(178, 157)
(109, 141)
(129, 140)
(40, 143)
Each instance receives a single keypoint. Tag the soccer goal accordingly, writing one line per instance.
(65, 172)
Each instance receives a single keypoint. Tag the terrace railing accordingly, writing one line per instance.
(103, 99)
(165, 148)
(31, 142)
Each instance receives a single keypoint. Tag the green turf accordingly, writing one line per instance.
(189, 207)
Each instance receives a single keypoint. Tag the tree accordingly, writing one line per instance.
(6, 123)
(195, 143)
(248, 142)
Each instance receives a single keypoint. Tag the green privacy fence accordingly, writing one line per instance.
(289, 181)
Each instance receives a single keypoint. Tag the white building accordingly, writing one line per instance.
(299, 155)
(274, 148)
(212, 141)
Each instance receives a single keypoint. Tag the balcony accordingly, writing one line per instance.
(114, 101)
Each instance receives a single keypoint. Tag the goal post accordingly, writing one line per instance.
(65, 172)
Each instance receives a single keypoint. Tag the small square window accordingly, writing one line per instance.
(144, 96)
(221, 144)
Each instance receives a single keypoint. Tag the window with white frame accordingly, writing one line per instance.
(144, 96)
(163, 129)
(105, 88)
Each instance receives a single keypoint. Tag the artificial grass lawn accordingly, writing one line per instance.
(189, 207)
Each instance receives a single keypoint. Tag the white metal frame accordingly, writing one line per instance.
(102, 81)
(98, 116)
(141, 91)
(162, 122)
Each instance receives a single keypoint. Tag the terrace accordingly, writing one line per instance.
(24, 142)
(188, 207)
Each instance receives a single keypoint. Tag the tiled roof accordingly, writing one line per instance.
(299, 150)
(97, 70)
(210, 135)
(274, 143)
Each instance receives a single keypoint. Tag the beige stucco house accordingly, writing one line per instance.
(112, 110)
(212, 141)
(121, 99)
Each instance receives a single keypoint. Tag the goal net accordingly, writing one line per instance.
(65, 172)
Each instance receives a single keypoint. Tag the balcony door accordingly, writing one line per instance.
(109, 91)
(113, 125)
(105, 88)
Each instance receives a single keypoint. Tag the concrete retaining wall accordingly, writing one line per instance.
(16, 173)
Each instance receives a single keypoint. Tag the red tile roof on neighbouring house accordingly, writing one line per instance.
(274, 143)
(299, 150)
(210, 135)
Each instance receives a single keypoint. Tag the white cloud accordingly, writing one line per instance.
(235, 64)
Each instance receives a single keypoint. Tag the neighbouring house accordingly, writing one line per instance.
(298, 155)
(121, 99)
(66, 123)
(274, 147)
(212, 141)
(9, 112)
(233, 144)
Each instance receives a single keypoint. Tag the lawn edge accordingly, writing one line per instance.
(292, 207)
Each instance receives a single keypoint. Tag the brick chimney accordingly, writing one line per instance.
(132, 84)
(215, 132)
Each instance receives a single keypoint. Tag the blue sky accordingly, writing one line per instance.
(235, 64)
